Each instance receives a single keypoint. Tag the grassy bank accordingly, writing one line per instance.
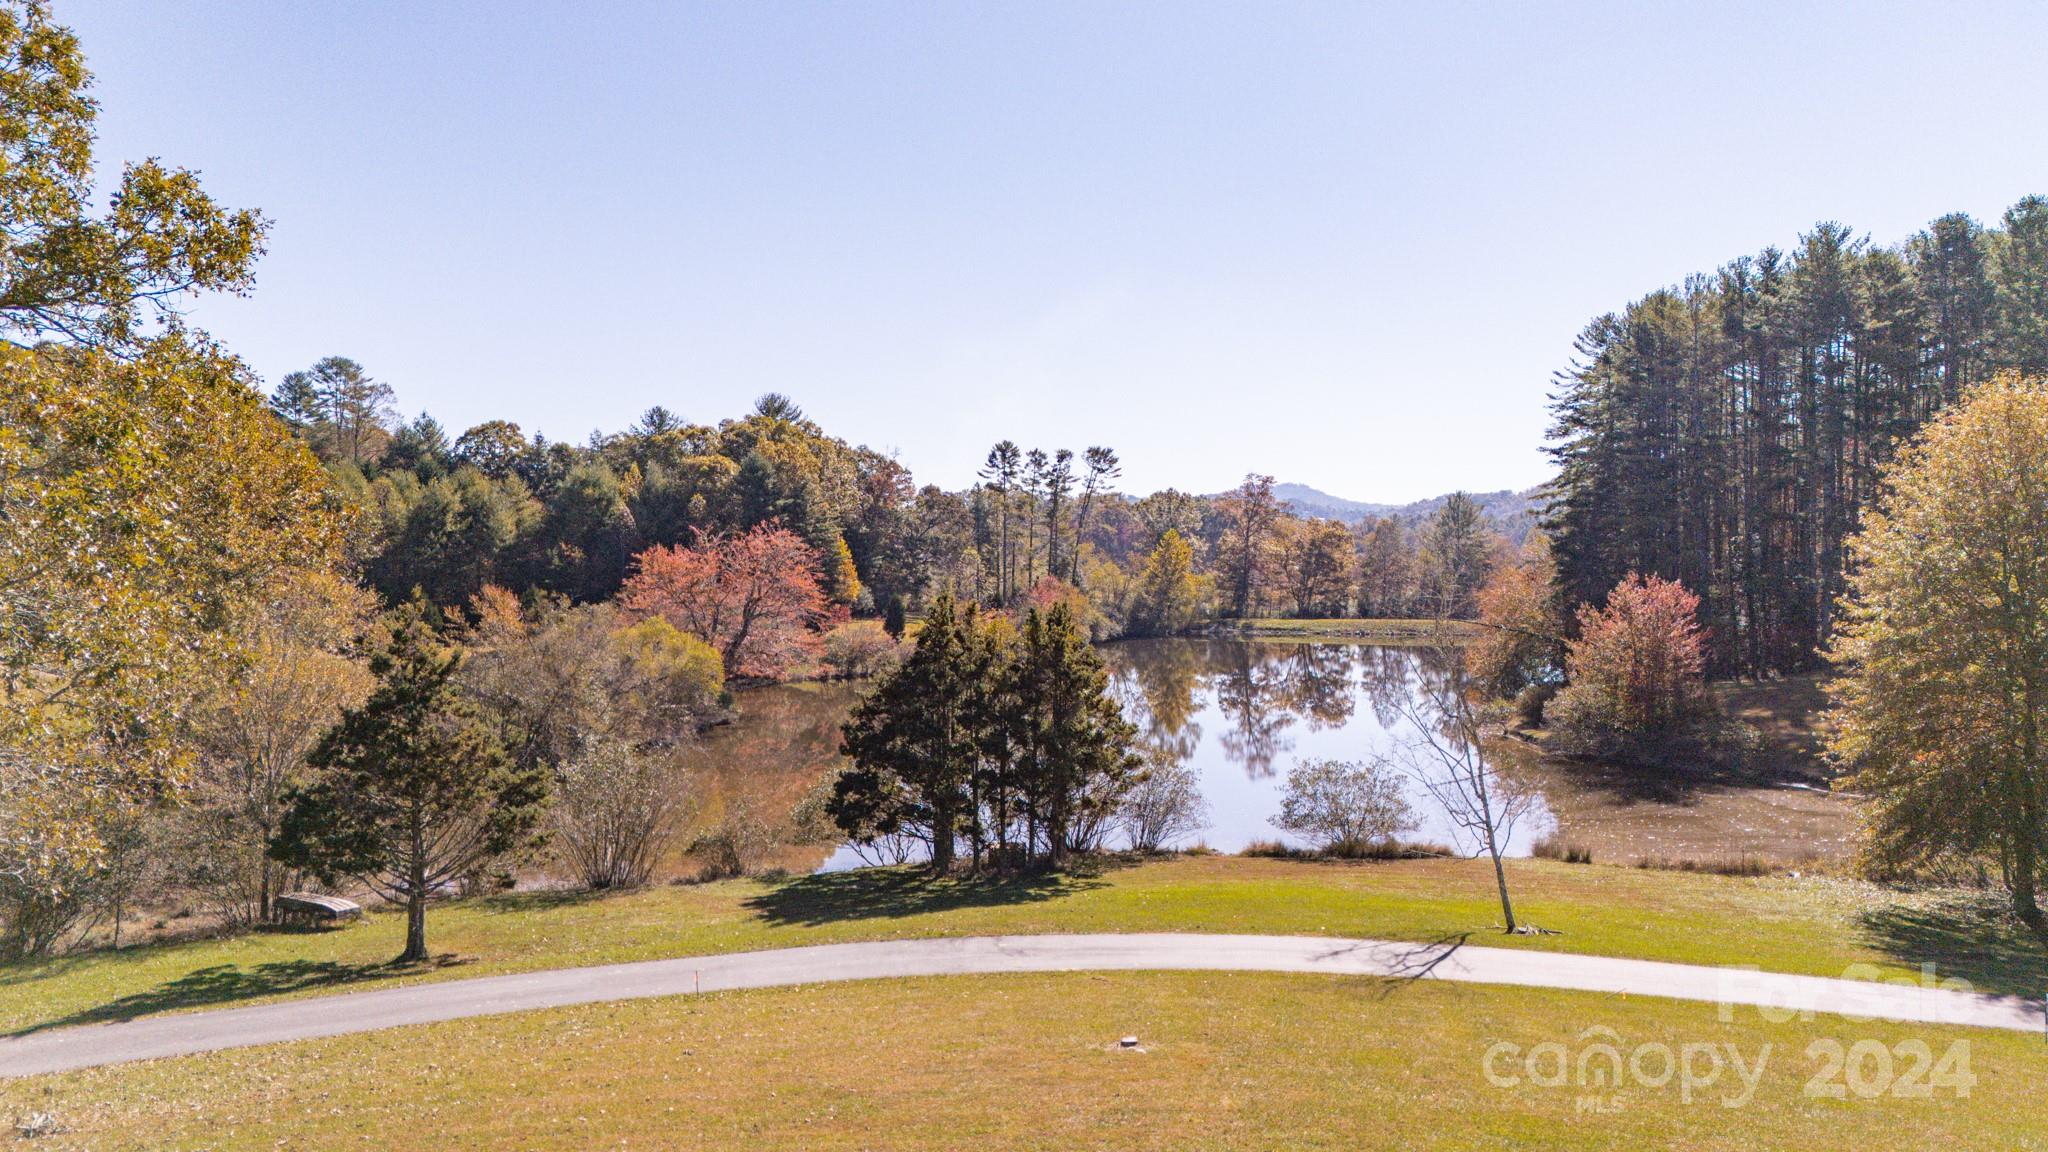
(1373, 631)
(1236, 1060)
(1817, 926)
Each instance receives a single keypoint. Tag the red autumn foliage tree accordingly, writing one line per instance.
(1637, 668)
(755, 597)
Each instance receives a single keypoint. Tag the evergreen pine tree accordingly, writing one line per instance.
(413, 792)
(1074, 745)
(912, 741)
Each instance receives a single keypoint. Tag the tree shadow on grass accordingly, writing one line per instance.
(1675, 784)
(543, 900)
(229, 983)
(889, 893)
(1972, 939)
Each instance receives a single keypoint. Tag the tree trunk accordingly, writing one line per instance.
(416, 897)
(1500, 877)
(1056, 831)
(942, 838)
(415, 927)
(2025, 886)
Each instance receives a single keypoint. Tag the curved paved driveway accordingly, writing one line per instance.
(186, 1033)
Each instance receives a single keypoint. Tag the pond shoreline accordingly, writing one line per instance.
(1379, 631)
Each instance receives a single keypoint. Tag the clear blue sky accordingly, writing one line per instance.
(1343, 244)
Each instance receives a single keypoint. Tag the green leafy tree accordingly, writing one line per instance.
(144, 494)
(1729, 433)
(147, 502)
(414, 793)
(999, 474)
(420, 447)
(1103, 470)
(1942, 706)
(71, 272)
(586, 537)
(492, 447)
(448, 538)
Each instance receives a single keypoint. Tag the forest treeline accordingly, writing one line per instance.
(443, 516)
(1729, 433)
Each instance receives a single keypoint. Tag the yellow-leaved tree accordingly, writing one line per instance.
(1942, 708)
(145, 492)
(147, 501)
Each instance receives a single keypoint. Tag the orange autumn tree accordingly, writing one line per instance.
(755, 597)
(1636, 671)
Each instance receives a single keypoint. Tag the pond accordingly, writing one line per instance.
(1242, 713)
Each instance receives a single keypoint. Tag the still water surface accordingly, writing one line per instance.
(1243, 713)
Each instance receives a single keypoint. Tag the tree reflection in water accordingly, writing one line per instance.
(1262, 690)
(1241, 713)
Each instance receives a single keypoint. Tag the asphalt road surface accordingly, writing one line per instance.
(181, 1034)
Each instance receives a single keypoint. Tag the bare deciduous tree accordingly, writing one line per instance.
(1448, 757)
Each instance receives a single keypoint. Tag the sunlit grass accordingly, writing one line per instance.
(1813, 925)
(1230, 1060)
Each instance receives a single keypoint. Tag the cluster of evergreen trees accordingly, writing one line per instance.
(999, 738)
(1729, 433)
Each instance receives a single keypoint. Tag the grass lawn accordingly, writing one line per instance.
(1230, 1060)
(1812, 925)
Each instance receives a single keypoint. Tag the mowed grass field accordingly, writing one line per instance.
(1808, 925)
(1229, 1060)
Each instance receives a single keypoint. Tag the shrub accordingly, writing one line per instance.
(1734, 866)
(1165, 806)
(1549, 849)
(1348, 850)
(1530, 703)
(68, 896)
(859, 649)
(1343, 805)
(1276, 850)
(810, 820)
(615, 813)
(734, 846)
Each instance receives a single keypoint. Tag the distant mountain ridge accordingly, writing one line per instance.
(1513, 513)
